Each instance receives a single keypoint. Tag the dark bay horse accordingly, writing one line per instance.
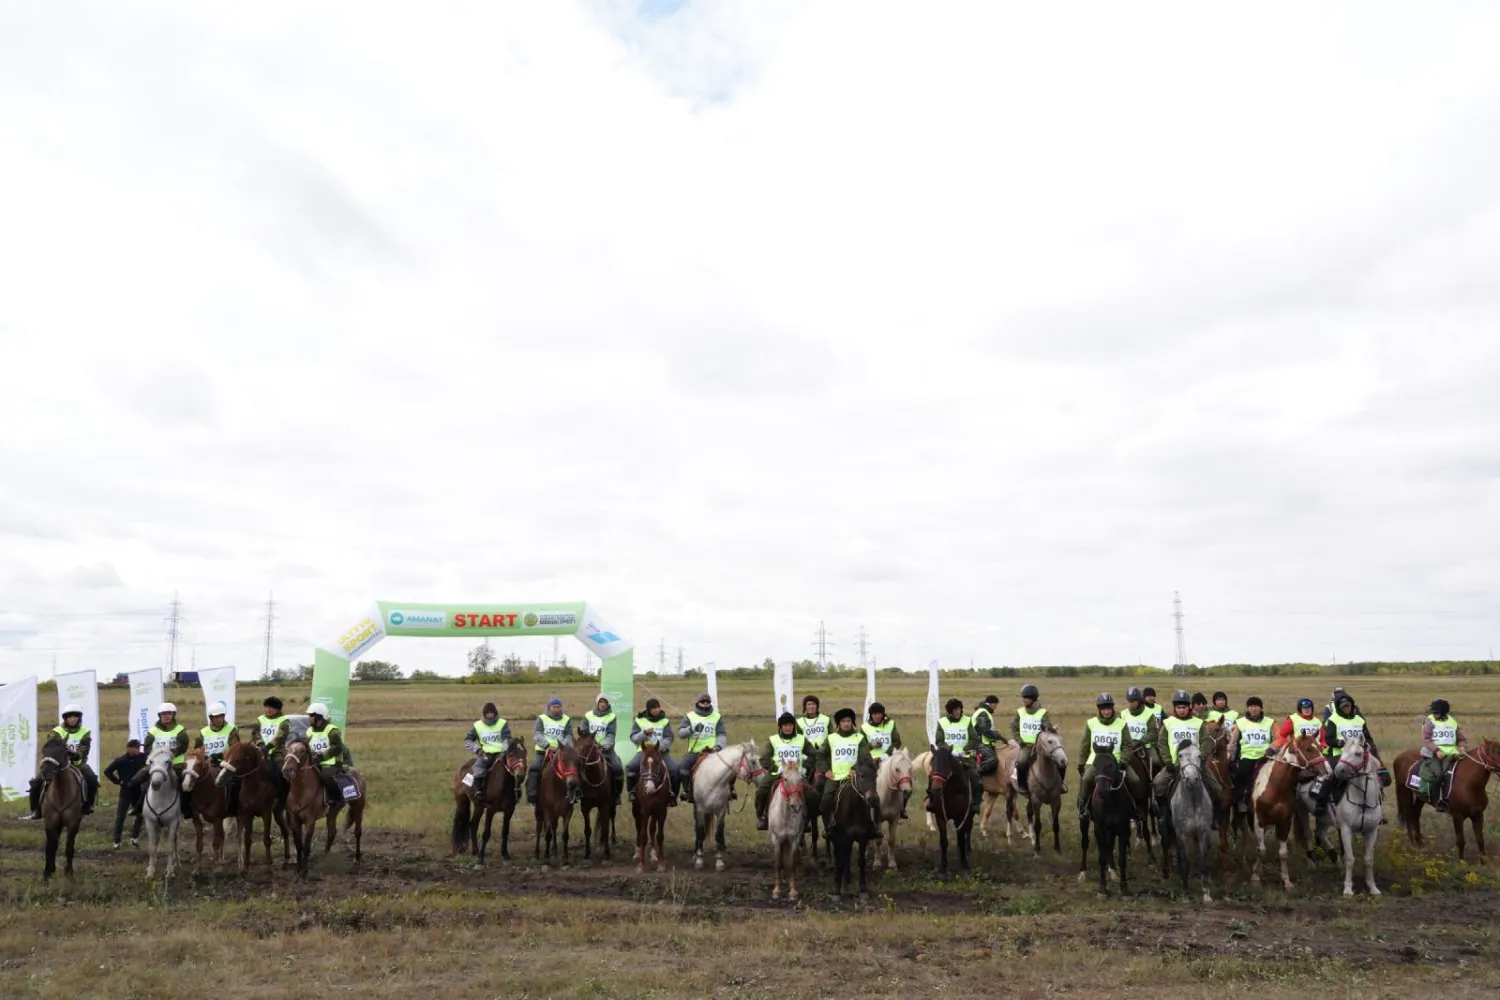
(948, 786)
(209, 803)
(1111, 810)
(653, 789)
(259, 798)
(1139, 776)
(596, 793)
(502, 792)
(1217, 764)
(557, 793)
(1466, 792)
(62, 803)
(854, 822)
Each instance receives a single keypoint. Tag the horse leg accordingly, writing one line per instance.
(779, 849)
(1034, 820)
(588, 833)
(965, 846)
(719, 846)
(68, 852)
(1346, 838)
(943, 847)
(278, 813)
(1056, 832)
(1122, 845)
(332, 823)
(1083, 843)
(864, 881)
(1224, 844)
(54, 837)
(198, 847)
(1476, 820)
(567, 821)
(699, 834)
(1458, 832)
(890, 845)
(1205, 845)
(794, 856)
(1371, 837)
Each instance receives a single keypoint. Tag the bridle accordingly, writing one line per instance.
(165, 768)
(595, 758)
(58, 767)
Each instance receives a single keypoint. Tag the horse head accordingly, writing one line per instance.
(898, 769)
(514, 758)
(1189, 761)
(565, 763)
(159, 766)
(1106, 768)
(54, 756)
(1049, 747)
(745, 761)
(1489, 755)
(1307, 754)
(863, 780)
(296, 751)
(1218, 739)
(240, 757)
(653, 772)
(793, 785)
(195, 767)
(1354, 757)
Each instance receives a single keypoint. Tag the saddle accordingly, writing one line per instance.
(348, 788)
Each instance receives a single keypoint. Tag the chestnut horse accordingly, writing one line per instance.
(1217, 764)
(653, 789)
(62, 803)
(1466, 797)
(502, 791)
(259, 798)
(596, 792)
(557, 793)
(209, 803)
(1273, 799)
(306, 803)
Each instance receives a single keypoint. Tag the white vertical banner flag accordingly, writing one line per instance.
(934, 707)
(711, 670)
(82, 689)
(146, 692)
(218, 685)
(782, 679)
(17, 738)
(869, 689)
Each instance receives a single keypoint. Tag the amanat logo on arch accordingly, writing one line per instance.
(503, 619)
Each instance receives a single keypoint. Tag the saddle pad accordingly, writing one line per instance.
(468, 781)
(348, 787)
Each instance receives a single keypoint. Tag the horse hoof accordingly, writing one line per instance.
(834, 898)
(1348, 891)
(1207, 898)
(891, 866)
(719, 865)
(698, 863)
(640, 867)
(775, 893)
(1374, 891)
(795, 897)
(1083, 876)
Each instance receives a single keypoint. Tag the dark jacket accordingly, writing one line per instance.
(124, 767)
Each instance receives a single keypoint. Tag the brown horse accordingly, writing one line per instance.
(596, 791)
(502, 791)
(1273, 799)
(259, 797)
(948, 786)
(1139, 775)
(209, 803)
(62, 803)
(557, 793)
(653, 789)
(1217, 764)
(306, 803)
(1466, 796)
(1000, 785)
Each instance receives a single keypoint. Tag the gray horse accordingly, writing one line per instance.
(1044, 782)
(1359, 811)
(1192, 815)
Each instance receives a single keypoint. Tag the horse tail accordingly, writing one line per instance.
(461, 825)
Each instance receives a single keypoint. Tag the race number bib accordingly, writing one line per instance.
(554, 730)
(1137, 727)
(846, 753)
(879, 739)
(1031, 728)
(788, 754)
(1258, 737)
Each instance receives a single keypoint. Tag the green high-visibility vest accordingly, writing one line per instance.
(216, 741)
(1137, 722)
(705, 731)
(1156, 710)
(1444, 734)
(879, 737)
(1031, 723)
(988, 737)
(844, 753)
(320, 744)
(1179, 730)
(597, 723)
(269, 726)
(651, 729)
(1255, 737)
(1225, 718)
(553, 730)
(1101, 732)
(490, 740)
(74, 739)
(815, 729)
(1346, 728)
(169, 737)
(1305, 726)
(788, 750)
(956, 734)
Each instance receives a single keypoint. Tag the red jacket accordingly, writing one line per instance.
(1284, 732)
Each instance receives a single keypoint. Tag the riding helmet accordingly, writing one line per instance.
(166, 706)
(217, 708)
(1338, 693)
(72, 708)
(1132, 694)
(1440, 706)
(1030, 691)
(785, 719)
(1105, 700)
(1180, 697)
(318, 708)
(845, 713)
(1304, 703)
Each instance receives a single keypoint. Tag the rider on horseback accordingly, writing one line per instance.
(1149, 699)
(957, 731)
(79, 740)
(1294, 727)
(1443, 742)
(601, 725)
(653, 726)
(783, 747)
(216, 738)
(1200, 706)
(270, 729)
(1180, 727)
(1025, 727)
(169, 732)
(326, 744)
(884, 737)
(486, 739)
(550, 730)
(1250, 740)
(1344, 724)
(988, 754)
(1105, 729)
(813, 725)
(847, 748)
(703, 728)
(1221, 712)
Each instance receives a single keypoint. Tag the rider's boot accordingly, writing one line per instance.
(533, 781)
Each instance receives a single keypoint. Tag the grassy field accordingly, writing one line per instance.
(412, 917)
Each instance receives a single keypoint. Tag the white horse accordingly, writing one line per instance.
(893, 786)
(712, 783)
(1359, 811)
(162, 809)
(1192, 815)
(785, 817)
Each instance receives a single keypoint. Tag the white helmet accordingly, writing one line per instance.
(166, 706)
(217, 708)
(72, 708)
(318, 708)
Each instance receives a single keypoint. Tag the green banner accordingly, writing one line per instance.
(481, 619)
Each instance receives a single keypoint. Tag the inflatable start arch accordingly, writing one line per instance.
(330, 682)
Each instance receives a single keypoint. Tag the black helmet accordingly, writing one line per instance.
(1105, 700)
(952, 704)
(1132, 694)
(1030, 691)
(1338, 693)
(1341, 699)
(1181, 697)
(786, 719)
(1440, 706)
(845, 713)
(876, 706)
(1150, 692)
(1254, 702)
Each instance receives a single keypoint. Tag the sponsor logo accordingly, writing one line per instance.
(418, 619)
(550, 619)
(143, 688)
(358, 637)
(75, 692)
(503, 619)
(600, 637)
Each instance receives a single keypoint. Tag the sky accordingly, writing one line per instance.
(982, 327)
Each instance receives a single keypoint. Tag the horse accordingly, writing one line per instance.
(786, 815)
(61, 803)
(210, 804)
(259, 798)
(892, 785)
(557, 793)
(1217, 764)
(1002, 785)
(854, 821)
(1358, 811)
(1192, 817)
(1044, 781)
(1273, 799)
(951, 799)
(306, 803)
(1111, 809)
(1138, 778)
(1466, 792)
(501, 794)
(162, 808)
(814, 798)
(596, 791)
(653, 790)
(713, 781)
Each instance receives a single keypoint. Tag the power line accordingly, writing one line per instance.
(1180, 667)
(174, 631)
(822, 646)
(679, 661)
(863, 646)
(661, 659)
(265, 667)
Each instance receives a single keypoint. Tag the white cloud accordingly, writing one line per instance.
(986, 328)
